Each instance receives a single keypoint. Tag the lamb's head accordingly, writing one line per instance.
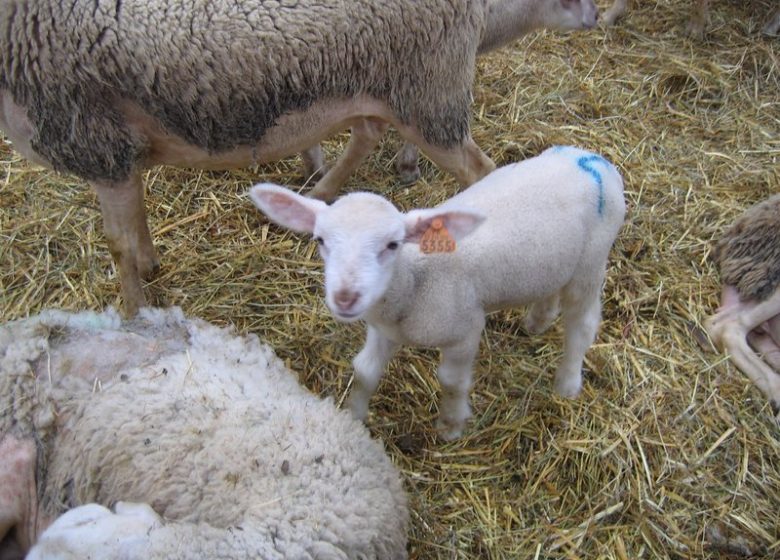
(360, 237)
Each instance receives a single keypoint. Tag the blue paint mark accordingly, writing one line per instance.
(585, 164)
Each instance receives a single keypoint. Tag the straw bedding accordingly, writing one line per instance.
(668, 453)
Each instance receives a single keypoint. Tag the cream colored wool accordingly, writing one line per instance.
(209, 429)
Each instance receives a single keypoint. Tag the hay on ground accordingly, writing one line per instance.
(669, 452)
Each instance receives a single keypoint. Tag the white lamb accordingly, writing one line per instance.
(537, 232)
(226, 455)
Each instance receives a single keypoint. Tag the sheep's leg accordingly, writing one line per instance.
(698, 20)
(369, 367)
(129, 240)
(617, 9)
(18, 495)
(729, 329)
(455, 375)
(467, 163)
(541, 314)
(407, 163)
(364, 137)
(581, 318)
(772, 27)
(766, 347)
(313, 162)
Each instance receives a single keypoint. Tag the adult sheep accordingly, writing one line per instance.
(505, 22)
(747, 324)
(227, 455)
(106, 89)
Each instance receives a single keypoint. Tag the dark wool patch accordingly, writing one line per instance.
(748, 254)
(219, 74)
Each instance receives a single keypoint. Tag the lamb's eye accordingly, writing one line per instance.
(393, 245)
(320, 241)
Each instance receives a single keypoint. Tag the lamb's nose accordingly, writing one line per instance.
(345, 299)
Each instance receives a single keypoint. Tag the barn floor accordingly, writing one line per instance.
(669, 452)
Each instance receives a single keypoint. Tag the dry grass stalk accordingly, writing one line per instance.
(669, 452)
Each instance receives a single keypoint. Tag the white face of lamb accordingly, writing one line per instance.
(359, 263)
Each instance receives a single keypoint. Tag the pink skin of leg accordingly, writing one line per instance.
(19, 513)
(750, 332)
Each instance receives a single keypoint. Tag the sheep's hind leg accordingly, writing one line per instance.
(369, 367)
(455, 374)
(313, 163)
(467, 163)
(729, 329)
(581, 318)
(698, 20)
(129, 240)
(407, 163)
(364, 137)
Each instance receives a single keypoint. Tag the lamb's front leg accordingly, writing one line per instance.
(369, 367)
(456, 373)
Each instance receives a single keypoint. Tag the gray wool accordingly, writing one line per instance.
(219, 74)
(748, 254)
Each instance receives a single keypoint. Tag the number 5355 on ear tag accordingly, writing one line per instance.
(437, 239)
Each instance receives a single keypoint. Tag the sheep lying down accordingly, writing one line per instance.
(201, 441)
(747, 324)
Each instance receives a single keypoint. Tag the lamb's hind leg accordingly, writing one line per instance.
(581, 318)
(365, 135)
(729, 329)
(129, 240)
(772, 27)
(541, 314)
(617, 9)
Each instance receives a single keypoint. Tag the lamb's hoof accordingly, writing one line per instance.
(775, 404)
(569, 387)
(448, 430)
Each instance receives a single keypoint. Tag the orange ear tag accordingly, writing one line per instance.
(437, 239)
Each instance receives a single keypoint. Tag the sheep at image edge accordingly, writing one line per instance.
(536, 232)
(220, 451)
(105, 90)
(747, 324)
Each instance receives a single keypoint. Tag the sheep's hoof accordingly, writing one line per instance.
(148, 265)
(409, 176)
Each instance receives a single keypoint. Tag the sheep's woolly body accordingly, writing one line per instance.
(748, 254)
(219, 74)
(209, 429)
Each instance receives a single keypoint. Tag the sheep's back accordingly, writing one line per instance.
(748, 254)
(219, 74)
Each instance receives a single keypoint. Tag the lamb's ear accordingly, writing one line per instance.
(459, 223)
(287, 208)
